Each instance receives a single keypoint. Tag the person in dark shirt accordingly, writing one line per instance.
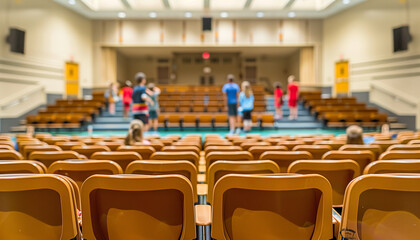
(231, 92)
(140, 99)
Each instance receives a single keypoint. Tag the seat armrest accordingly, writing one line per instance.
(203, 215)
(202, 189)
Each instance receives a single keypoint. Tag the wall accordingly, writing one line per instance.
(54, 35)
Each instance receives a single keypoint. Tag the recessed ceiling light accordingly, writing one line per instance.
(188, 14)
(224, 14)
(152, 14)
(72, 2)
(260, 14)
(122, 14)
(291, 14)
(346, 1)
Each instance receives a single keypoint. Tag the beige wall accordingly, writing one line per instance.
(54, 35)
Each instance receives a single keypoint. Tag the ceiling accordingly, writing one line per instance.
(170, 9)
(167, 51)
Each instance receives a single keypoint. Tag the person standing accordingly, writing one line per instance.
(278, 101)
(127, 93)
(246, 101)
(230, 92)
(140, 99)
(111, 96)
(154, 109)
(293, 90)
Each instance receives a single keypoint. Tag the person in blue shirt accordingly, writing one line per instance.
(246, 101)
(231, 91)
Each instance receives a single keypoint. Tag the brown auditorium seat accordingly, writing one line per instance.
(173, 120)
(23, 144)
(216, 143)
(290, 144)
(375, 149)
(144, 151)
(220, 120)
(181, 149)
(212, 157)
(7, 143)
(414, 142)
(239, 141)
(272, 207)
(393, 166)
(138, 206)
(317, 151)
(335, 145)
(38, 206)
(363, 158)
(256, 151)
(155, 144)
(68, 145)
(89, 150)
(285, 158)
(47, 158)
(10, 155)
(266, 119)
(189, 156)
(205, 120)
(221, 149)
(404, 147)
(80, 170)
(54, 140)
(382, 206)
(6, 147)
(397, 154)
(220, 168)
(122, 158)
(187, 143)
(246, 145)
(113, 146)
(27, 150)
(162, 167)
(338, 172)
(385, 144)
(91, 141)
(21, 166)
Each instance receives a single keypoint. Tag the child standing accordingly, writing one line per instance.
(278, 101)
(293, 90)
(246, 101)
(127, 91)
(154, 109)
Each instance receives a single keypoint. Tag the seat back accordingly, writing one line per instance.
(144, 151)
(209, 149)
(47, 158)
(284, 206)
(393, 166)
(375, 149)
(290, 144)
(382, 206)
(338, 172)
(10, 155)
(43, 148)
(285, 158)
(404, 147)
(162, 167)
(89, 150)
(138, 206)
(40, 206)
(22, 166)
(363, 158)
(256, 151)
(122, 158)
(394, 155)
(385, 144)
(68, 145)
(181, 149)
(246, 145)
(232, 156)
(334, 144)
(80, 170)
(189, 156)
(221, 168)
(317, 151)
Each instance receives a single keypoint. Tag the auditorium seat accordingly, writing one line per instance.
(47, 158)
(113, 146)
(181, 148)
(256, 151)
(397, 154)
(246, 145)
(188, 143)
(317, 151)
(375, 149)
(27, 150)
(7, 143)
(284, 158)
(220, 120)
(338, 172)
(162, 167)
(68, 145)
(363, 158)
(138, 206)
(53, 140)
(40, 206)
(385, 144)
(89, 150)
(216, 143)
(204, 120)
(144, 151)
(212, 157)
(22, 144)
(80, 170)
(121, 158)
(21, 166)
(393, 166)
(272, 207)
(211, 148)
(222, 168)
(290, 144)
(334, 144)
(154, 144)
(189, 156)
(404, 147)
(6, 147)
(10, 155)
(380, 206)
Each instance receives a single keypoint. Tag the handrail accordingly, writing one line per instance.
(396, 94)
(23, 96)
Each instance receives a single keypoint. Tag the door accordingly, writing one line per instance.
(72, 79)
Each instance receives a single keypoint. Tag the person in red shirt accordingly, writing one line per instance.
(127, 92)
(293, 90)
(278, 100)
